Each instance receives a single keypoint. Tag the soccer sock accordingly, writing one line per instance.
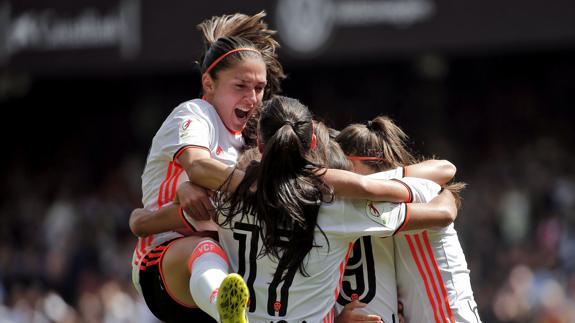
(208, 267)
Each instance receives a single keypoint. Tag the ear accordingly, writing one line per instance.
(208, 85)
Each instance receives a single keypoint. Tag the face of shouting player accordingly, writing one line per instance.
(237, 91)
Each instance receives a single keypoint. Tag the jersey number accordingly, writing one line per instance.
(247, 236)
(360, 269)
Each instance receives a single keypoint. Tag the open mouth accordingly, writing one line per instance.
(241, 114)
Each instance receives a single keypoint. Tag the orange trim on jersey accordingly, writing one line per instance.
(409, 192)
(151, 254)
(143, 246)
(138, 254)
(175, 182)
(159, 261)
(143, 243)
(329, 317)
(205, 247)
(422, 274)
(146, 241)
(438, 275)
(342, 266)
(168, 175)
(406, 220)
(166, 194)
(148, 263)
(186, 147)
(430, 275)
(232, 131)
(169, 194)
(186, 222)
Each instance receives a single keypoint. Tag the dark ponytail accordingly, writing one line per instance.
(289, 189)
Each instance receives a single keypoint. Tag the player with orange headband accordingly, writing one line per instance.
(239, 68)
(427, 267)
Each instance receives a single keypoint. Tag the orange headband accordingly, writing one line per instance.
(364, 158)
(226, 54)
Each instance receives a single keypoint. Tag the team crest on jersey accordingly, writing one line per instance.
(379, 212)
(186, 124)
(372, 209)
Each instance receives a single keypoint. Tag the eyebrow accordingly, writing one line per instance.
(249, 81)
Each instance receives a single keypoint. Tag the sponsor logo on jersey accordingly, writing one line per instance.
(219, 151)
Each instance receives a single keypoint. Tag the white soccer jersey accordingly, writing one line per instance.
(299, 298)
(370, 272)
(432, 275)
(193, 123)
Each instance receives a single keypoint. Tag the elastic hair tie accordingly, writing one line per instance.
(219, 59)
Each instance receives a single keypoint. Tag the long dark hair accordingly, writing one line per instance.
(289, 191)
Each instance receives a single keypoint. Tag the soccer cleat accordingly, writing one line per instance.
(233, 296)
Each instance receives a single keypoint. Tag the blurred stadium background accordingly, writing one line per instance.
(84, 85)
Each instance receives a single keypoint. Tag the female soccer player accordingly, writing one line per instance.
(429, 265)
(239, 67)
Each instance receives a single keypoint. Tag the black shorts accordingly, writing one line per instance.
(160, 303)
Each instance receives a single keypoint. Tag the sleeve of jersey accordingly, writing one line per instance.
(186, 129)
(380, 219)
(423, 190)
(390, 174)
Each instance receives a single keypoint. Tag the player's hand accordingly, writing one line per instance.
(348, 316)
(195, 200)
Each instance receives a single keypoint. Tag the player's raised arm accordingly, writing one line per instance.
(214, 175)
(144, 222)
(440, 212)
(439, 171)
(351, 185)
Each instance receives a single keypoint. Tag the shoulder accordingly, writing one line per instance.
(195, 106)
(194, 110)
